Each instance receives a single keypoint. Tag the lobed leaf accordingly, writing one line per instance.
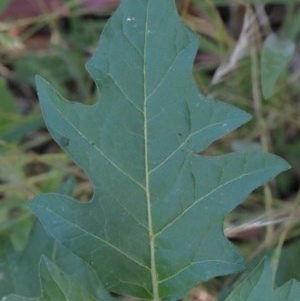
(154, 226)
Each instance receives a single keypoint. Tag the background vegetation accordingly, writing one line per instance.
(237, 62)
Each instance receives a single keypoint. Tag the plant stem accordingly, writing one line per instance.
(264, 136)
(286, 227)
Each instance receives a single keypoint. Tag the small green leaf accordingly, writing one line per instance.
(258, 286)
(16, 266)
(276, 54)
(289, 264)
(154, 227)
(20, 232)
(56, 286)
(7, 103)
(19, 270)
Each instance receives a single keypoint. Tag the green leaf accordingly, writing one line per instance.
(276, 54)
(56, 286)
(20, 232)
(258, 286)
(154, 227)
(7, 105)
(289, 264)
(19, 270)
(16, 266)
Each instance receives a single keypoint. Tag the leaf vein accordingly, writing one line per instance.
(182, 144)
(123, 93)
(167, 72)
(130, 213)
(100, 151)
(206, 196)
(190, 265)
(97, 238)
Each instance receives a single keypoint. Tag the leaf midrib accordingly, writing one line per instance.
(154, 280)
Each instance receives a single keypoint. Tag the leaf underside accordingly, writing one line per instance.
(154, 226)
